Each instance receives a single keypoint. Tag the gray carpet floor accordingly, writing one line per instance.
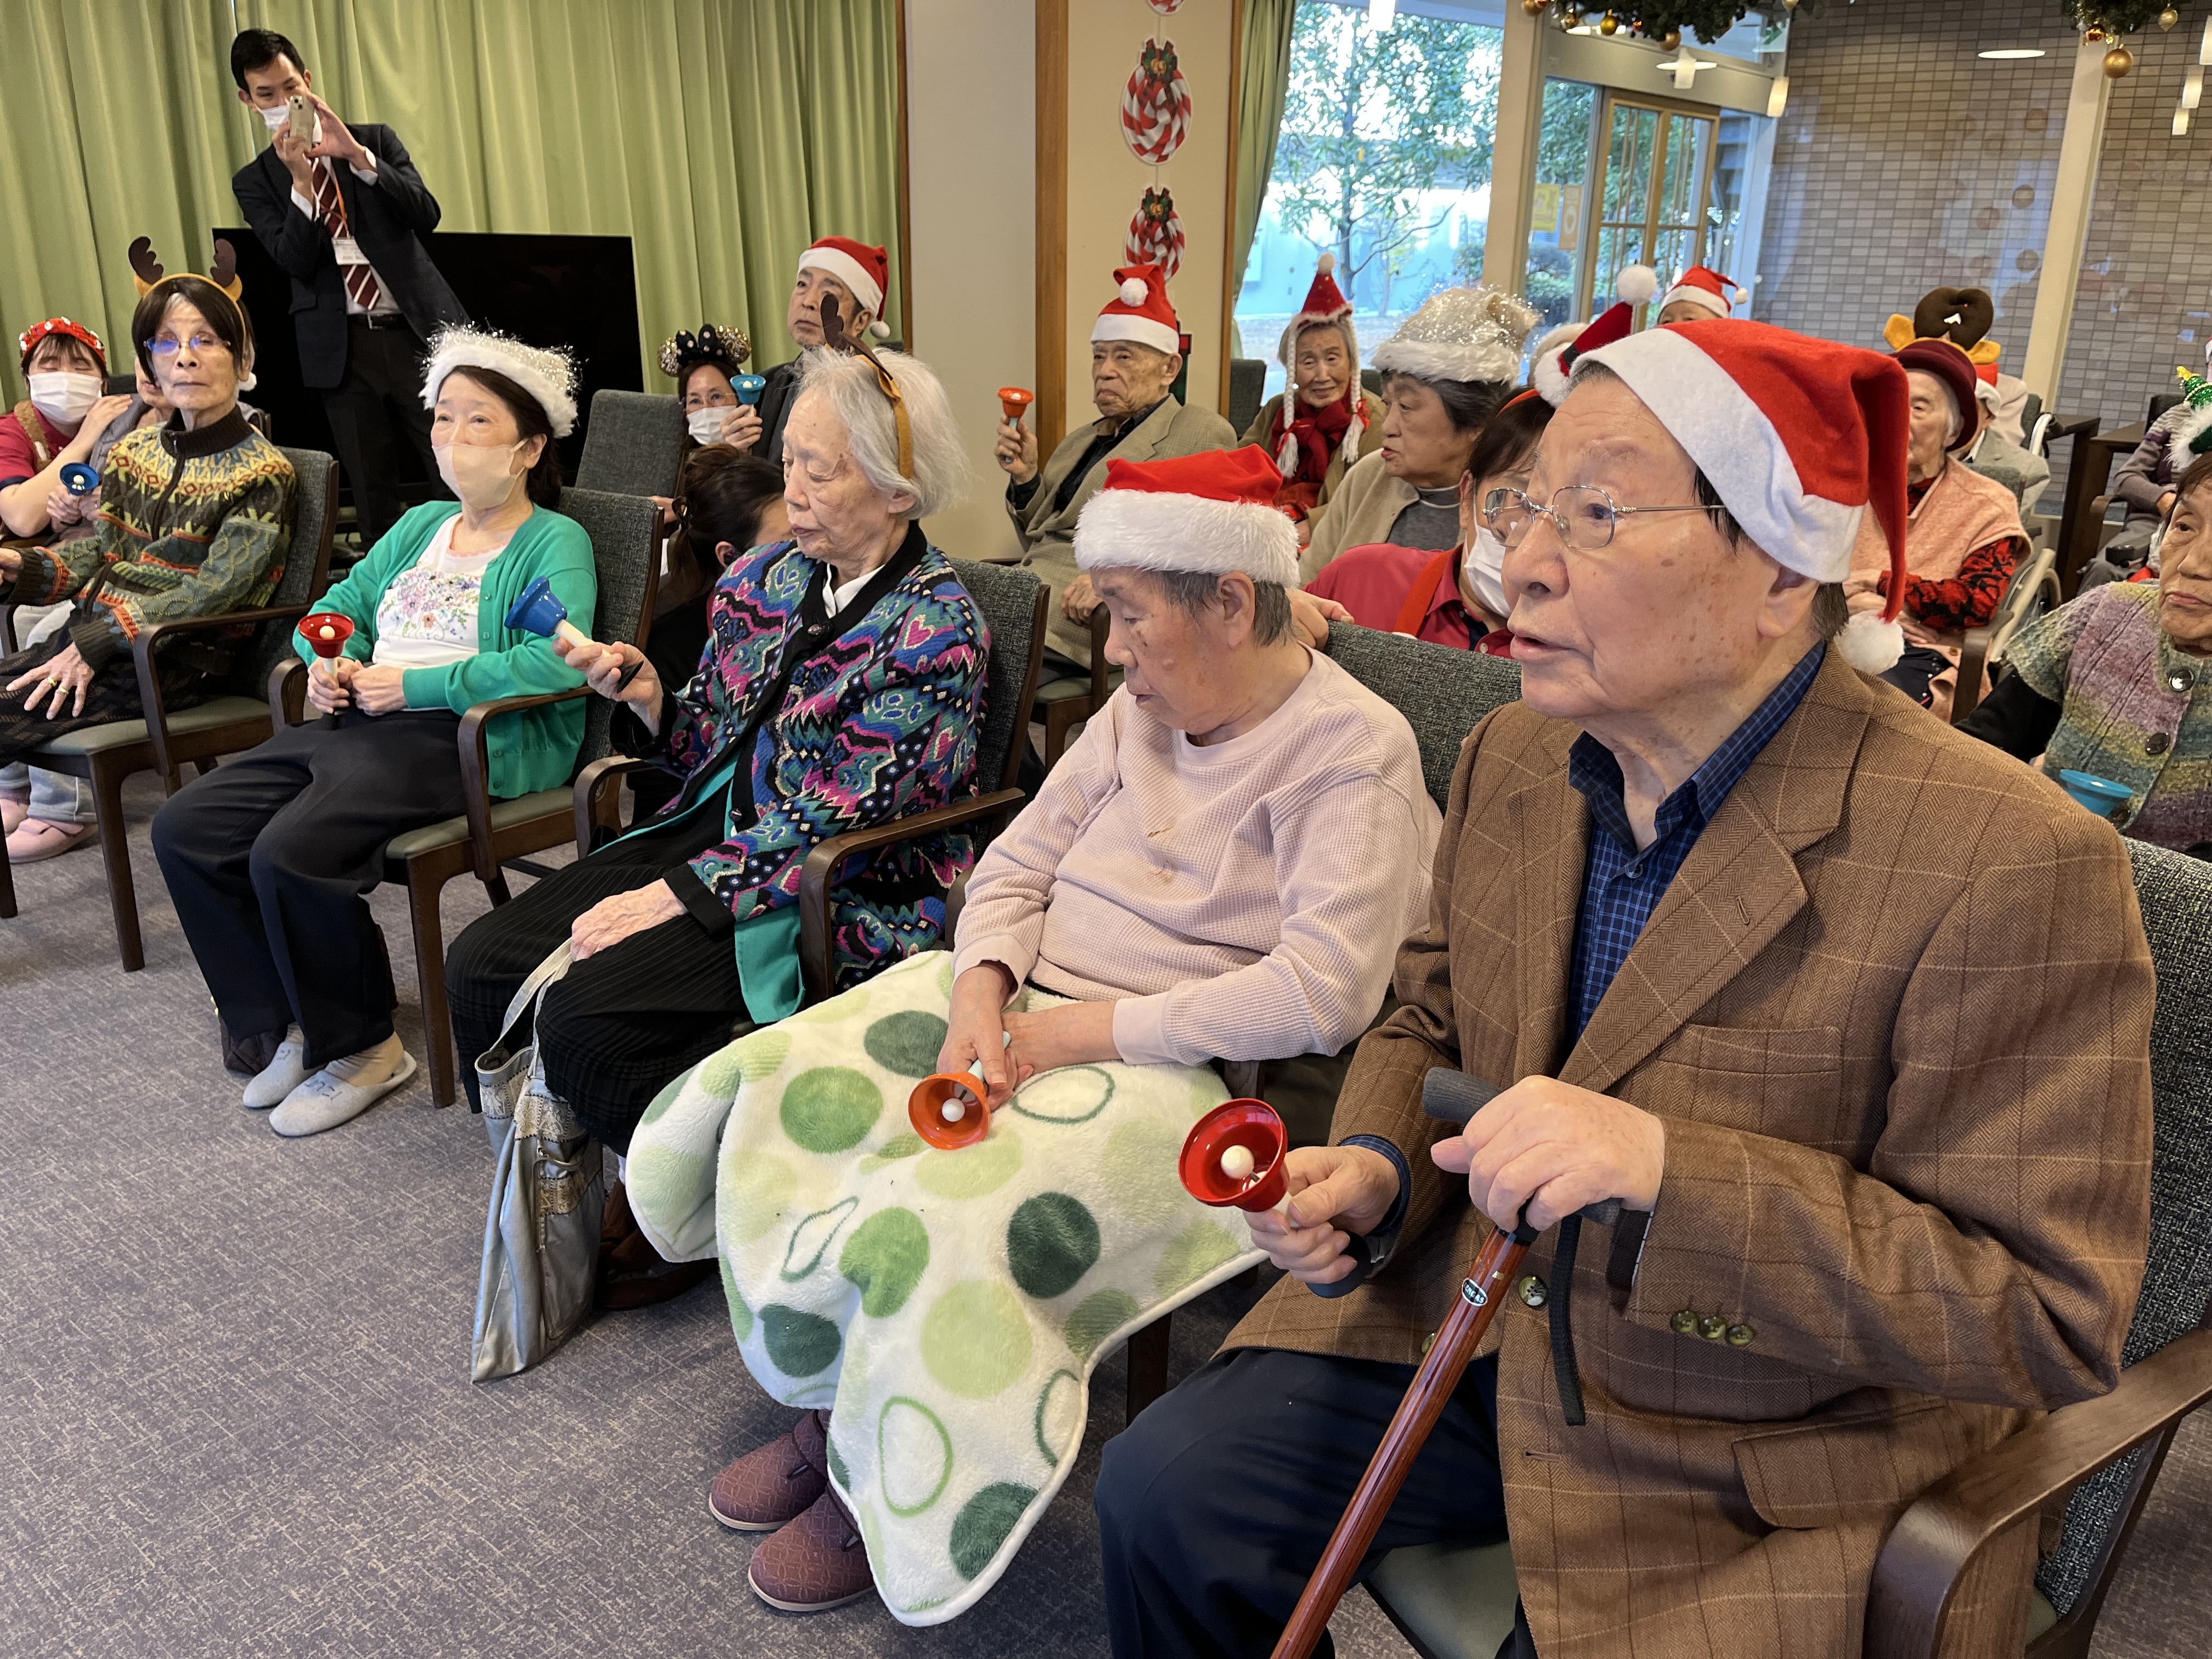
(235, 1416)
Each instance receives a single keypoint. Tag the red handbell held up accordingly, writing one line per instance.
(327, 632)
(1014, 401)
(1233, 1156)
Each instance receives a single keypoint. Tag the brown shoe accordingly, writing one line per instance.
(816, 1562)
(632, 1273)
(775, 1483)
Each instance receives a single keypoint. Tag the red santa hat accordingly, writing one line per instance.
(1325, 303)
(866, 271)
(1213, 513)
(1700, 286)
(1556, 352)
(1801, 438)
(1139, 311)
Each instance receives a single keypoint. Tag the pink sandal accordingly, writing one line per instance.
(37, 840)
(13, 809)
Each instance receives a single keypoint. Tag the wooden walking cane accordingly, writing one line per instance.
(1454, 1097)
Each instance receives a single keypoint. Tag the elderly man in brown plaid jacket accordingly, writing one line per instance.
(1852, 1015)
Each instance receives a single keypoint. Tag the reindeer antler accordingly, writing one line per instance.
(144, 267)
(224, 272)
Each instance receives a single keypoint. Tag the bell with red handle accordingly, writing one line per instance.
(1233, 1156)
(327, 632)
(1014, 401)
(949, 1110)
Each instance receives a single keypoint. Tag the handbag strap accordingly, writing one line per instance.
(526, 995)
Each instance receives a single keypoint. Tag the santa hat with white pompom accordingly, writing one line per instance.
(1139, 311)
(863, 270)
(1801, 437)
(1555, 355)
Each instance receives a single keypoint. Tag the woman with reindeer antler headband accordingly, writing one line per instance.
(195, 520)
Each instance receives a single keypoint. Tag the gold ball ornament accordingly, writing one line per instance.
(1671, 39)
(1608, 24)
(2118, 61)
(1534, 7)
(2168, 18)
(1789, 5)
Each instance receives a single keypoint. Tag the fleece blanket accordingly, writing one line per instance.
(948, 1306)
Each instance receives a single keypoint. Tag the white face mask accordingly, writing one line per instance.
(1485, 565)
(274, 119)
(64, 396)
(480, 474)
(705, 425)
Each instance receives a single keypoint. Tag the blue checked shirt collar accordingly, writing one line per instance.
(1621, 886)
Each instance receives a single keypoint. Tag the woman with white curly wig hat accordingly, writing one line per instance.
(268, 857)
(1445, 373)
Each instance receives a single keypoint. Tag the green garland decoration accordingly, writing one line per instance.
(2115, 17)
(1708, 19)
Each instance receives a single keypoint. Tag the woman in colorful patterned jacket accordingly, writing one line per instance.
(195, 519)
(842, 686)
(2119, 684)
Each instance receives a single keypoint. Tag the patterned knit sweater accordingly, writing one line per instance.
(880, 725)
(191, 524)
(2132, 708)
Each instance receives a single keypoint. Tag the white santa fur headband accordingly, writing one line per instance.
(548, 376)
(1145, 530)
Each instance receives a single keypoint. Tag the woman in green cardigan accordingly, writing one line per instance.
(270, 856)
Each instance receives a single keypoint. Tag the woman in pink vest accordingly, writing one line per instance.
(1962, 540)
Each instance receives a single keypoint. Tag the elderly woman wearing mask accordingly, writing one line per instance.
(1325, 420)
(842, 686)
(2119, 683)
(1220, 867)
(269, 857)
(1963, 539)
(196, 519)
(1135, 356)
(1444, 375)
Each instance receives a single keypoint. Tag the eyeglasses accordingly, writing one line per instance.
(1583, 514)
(162, 346)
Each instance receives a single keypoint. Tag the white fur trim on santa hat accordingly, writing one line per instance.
(851, 273)
(1697, 296)
(1436, 360)
(547, 376)
(1870, 644)
(1736, 446)
(1144, 530)
(1545, 373)
(1122, 325)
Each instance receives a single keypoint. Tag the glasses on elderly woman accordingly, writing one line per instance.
(1584, 515)
(166, 345)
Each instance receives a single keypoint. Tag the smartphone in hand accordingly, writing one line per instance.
(303, 123)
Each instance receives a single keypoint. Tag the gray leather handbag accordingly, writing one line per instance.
(541, 1248)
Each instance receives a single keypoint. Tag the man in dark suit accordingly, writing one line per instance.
(344, 215)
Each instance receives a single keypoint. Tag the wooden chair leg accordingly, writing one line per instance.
(115, 852)
(7, 886)
(1148, 1363)
(430, 980)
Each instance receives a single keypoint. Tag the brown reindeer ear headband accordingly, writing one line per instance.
(146, 269)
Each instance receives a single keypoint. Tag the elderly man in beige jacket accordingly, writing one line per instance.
(1135, 356)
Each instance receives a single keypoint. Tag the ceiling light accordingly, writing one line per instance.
(2181, 123)
(2010, 53)
(1380, 13)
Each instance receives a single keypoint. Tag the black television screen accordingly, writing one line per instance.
(579, 292)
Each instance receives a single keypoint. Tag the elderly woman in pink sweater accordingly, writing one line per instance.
(1224, 864)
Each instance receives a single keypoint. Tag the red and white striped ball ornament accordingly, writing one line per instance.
(1155, 236)
(1155, 105)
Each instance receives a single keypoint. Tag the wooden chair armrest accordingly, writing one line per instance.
(288, 692)
(816, 970)
(1100, 623)
(476, 768)
(149, 681)
(594, 786)
(1973, 661)
(1950, 1524)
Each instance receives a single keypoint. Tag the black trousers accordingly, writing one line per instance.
(624, 1022)
(270, 860)
(112, 696)
(1215, 1504)
(379, 424)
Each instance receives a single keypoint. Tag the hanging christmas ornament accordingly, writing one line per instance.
(2118, 61)
(1165, 8)
(2168, 18)
(1155, 236)
(1608, 24)
(1535, 8)
(1155, 105)
(1672, 39)
(2093, 35)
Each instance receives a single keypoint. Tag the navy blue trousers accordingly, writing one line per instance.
(1215, 1504)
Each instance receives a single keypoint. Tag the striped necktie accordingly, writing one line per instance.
(361, 284)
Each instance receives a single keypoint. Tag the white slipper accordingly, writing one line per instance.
(324, 1103)
(282, 1074)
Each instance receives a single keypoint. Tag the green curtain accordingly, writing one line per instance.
(721, 136)
(1265, 77)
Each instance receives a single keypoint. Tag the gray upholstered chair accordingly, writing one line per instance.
(1013, 603)
(492, 832)
(231, 718)
(1248, 391)
(634, 445)
(1457, 1602)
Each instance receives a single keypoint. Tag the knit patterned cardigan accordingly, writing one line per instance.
(882, 723)
(2132, 708)
(191, 524)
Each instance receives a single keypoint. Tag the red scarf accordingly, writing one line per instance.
(1320, 434)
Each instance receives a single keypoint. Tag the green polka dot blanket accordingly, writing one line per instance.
(948, 1306)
